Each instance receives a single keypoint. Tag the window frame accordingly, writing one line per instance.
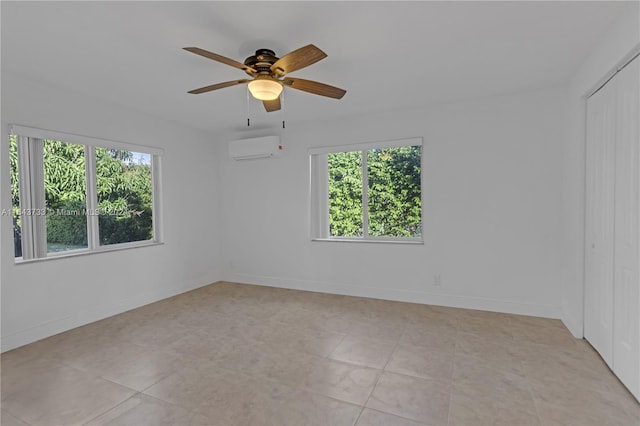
(319, 191)
(31, 183)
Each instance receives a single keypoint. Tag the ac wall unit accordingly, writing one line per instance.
(247, 149)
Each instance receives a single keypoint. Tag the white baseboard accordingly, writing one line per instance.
(575, 327)
(91, 314)
(454, 301)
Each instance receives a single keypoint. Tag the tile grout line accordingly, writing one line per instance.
(336, 346)
(382, 371)
(112, 408)
(398, 416)
(534, 399)
(13, 415)
(453, 367)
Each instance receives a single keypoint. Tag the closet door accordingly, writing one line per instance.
(599, 216)
(626, 290)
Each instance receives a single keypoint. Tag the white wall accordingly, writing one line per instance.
(492, 209)
(43, 298)
(612, 51)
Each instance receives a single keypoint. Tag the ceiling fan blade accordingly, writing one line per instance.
(217, 86)
(219, 58)
(271, 106)
(297, 59)
(314, 87)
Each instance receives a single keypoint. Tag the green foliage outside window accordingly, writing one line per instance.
(395, 205)
(15, 195)
(65, 192)
(124, 196)
(345, 194)
(394, 192)
(13, 158)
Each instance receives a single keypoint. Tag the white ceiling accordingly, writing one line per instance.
(387, 55)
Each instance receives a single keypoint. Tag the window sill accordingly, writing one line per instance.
(416, 241)
(85, 252)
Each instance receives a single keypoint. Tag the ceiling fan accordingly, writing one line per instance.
(269, 74)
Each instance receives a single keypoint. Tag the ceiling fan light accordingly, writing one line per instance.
(265, 89)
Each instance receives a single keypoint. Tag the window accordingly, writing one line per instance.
(367, 192)
(124, 189)
(74, 194)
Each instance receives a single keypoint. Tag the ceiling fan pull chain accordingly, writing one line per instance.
(248, 115)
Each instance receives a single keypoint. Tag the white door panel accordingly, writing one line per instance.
(601, 127)
(626, 310)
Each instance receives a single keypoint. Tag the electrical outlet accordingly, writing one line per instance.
(437, 280)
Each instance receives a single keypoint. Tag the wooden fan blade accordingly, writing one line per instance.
(271, 106)
(219, 58)
(314, 87)
(297, 59)
(218, 86)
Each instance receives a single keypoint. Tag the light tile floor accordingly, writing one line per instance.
(231, 354)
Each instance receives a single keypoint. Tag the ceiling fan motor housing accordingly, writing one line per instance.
(261, 61)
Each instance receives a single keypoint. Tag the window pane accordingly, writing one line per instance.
(394, 192)
(345, 194)
(125, 200)
(15, 196)
(65, 196)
